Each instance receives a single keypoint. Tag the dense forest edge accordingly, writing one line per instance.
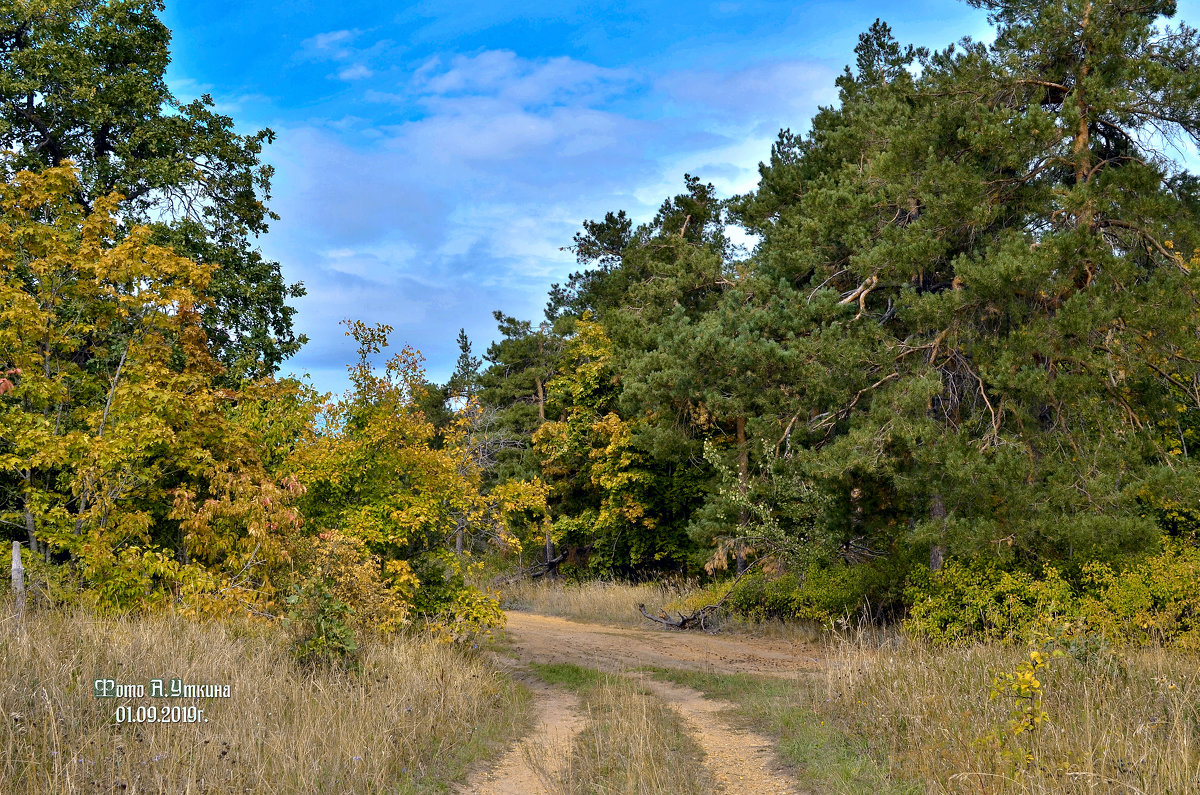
(953, 379)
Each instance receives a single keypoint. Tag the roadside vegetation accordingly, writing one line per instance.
(912, 717)
(601, 601)
(412, 717)
(988, 718)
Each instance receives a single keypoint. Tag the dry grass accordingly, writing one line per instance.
(414, 717)
(631, 743)
(603, 602)
(617, 603)
(902, 717)
(1125, 722)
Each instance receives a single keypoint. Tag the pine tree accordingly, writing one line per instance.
(997, 244)
(464, 381)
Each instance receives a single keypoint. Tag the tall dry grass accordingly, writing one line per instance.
(413, 717)
(597, 601)
(1119, 721)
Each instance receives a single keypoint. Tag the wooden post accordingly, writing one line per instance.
(18, 580)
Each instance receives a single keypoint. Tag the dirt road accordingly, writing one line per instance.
(737, 760)
(548, 639)
(558, 720)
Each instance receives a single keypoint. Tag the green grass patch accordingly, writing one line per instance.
(825, 757)
(569, 675)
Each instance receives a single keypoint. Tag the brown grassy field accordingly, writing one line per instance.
(616, 603)
(597, 601)
(414, 716)
(1117, 720)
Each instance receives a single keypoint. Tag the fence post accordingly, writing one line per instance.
(18, 580)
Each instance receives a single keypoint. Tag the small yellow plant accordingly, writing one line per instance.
(1025, 687)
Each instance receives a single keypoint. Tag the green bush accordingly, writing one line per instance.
(320, 627)
(984, 602)
(1153, 600)
(1156, 600)
(824, 592)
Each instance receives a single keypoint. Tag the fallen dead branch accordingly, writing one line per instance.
(697, 617)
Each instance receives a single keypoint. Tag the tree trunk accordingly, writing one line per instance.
(549, 547)
(537, 380)
(30, 524)
(743, 487)
(1081, 146)
(30, 527)
(458, 537)
(937, 550)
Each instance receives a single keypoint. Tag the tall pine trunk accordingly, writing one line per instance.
(937, 550)
(743, 487)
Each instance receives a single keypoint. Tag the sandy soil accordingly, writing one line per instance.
(739, 761)
(558, 720)
(549, 639)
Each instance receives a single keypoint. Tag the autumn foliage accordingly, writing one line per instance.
(139, 480)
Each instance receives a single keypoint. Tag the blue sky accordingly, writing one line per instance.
(433, 158)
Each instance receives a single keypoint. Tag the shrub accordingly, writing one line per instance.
(320, 629)
(1156, 600)
(983, 602)
(824, 592)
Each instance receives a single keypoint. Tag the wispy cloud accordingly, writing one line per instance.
(531, 83)
(464, 202)
(356, 71)
(343, 48)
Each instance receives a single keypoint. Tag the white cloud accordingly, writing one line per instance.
(505, 76)
(465, 204)
(342, 47)
(355, 72)
(334, 45)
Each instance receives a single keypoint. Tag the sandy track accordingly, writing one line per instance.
(549, 639)
(559, 719)
(737, 760)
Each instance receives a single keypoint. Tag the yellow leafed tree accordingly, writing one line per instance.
(116, 447)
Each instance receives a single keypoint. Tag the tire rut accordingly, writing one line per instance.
(738, 760)
(559, 719)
